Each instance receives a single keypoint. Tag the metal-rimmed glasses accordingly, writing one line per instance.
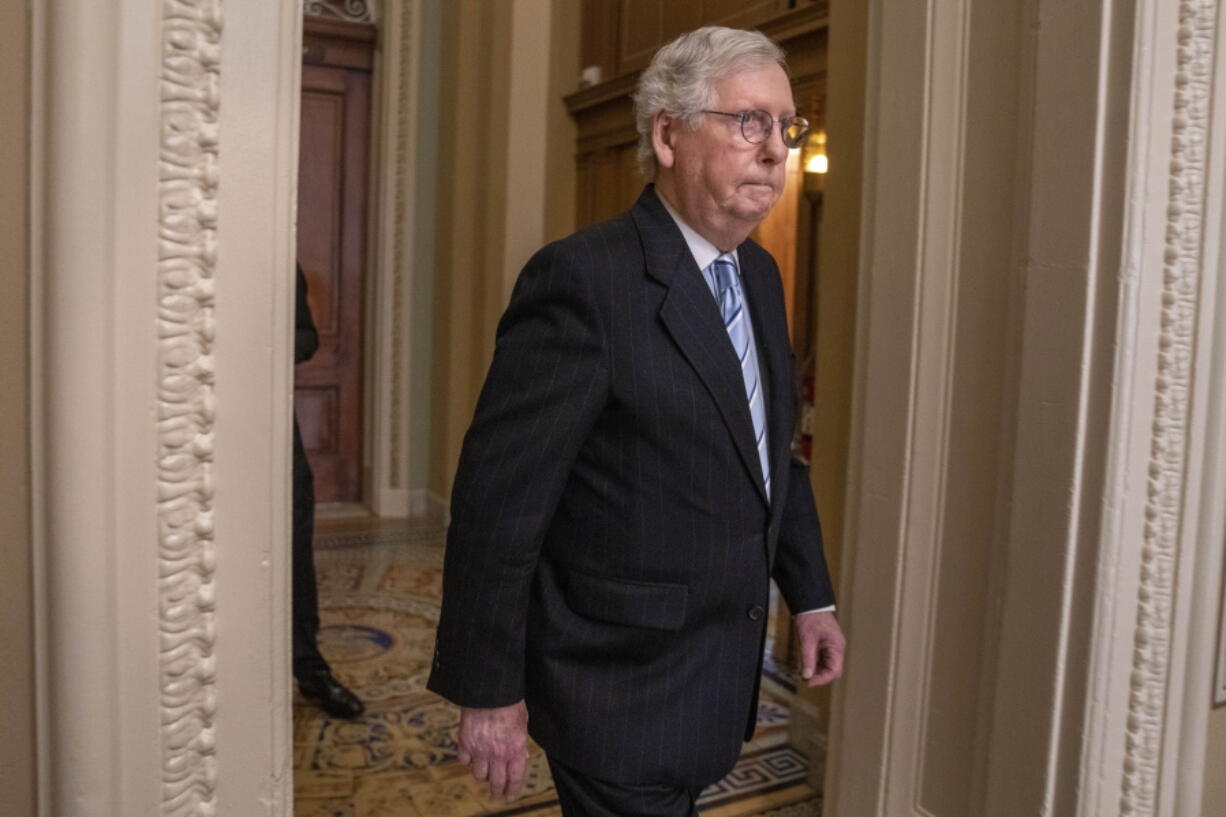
(757, 126)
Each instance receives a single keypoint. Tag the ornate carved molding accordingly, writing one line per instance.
(404, 122)
(187, 224)
(1168, 452)
(351, 11)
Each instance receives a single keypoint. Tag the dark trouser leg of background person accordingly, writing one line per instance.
(583, 796)
(315, 679)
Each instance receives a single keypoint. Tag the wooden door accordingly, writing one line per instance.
(332, 193)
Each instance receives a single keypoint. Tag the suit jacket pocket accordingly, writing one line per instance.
(656, 605)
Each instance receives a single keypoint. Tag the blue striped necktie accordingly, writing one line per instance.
(732, 308)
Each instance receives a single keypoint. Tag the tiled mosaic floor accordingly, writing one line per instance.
(379, 600)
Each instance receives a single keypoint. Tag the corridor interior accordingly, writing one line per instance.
(379, 591)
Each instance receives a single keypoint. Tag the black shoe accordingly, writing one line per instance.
(319, 686)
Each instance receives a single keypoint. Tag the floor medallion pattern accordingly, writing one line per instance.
(380, 592)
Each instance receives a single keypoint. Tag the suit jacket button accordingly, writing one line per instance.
(756, 612)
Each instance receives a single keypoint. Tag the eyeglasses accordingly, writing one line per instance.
(757, 126)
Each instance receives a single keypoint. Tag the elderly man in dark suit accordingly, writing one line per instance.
(626, 491)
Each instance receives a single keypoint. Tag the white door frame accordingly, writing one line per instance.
(1105, 568)
(165, 163)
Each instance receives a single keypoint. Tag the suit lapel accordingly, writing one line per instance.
(691, 316)
(774, 362)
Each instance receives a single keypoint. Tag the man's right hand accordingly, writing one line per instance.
(495, 743)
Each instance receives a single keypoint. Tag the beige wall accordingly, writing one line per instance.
(480, 243)
(421, 301)
(17, 771)
(470, 211)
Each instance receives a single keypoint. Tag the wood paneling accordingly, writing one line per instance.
(332, 228)
(641, 30)
(597, 46)
(621, 35)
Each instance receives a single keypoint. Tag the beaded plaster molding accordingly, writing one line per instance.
(1182, 262)
(187, 216)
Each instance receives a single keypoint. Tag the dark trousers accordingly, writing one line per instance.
(305, 594)
(584, 796)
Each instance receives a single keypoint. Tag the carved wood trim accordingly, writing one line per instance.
(340, 29)
(338, 44)
(353, 11)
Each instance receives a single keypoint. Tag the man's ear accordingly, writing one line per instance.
(663, 130)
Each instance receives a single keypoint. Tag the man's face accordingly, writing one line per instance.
(723, 184)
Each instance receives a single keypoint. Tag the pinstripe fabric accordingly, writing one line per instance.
(582, 795)
(611, 541)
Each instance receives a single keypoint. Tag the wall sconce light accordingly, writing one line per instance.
(815, 163)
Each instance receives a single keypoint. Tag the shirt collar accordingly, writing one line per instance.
(704, 251)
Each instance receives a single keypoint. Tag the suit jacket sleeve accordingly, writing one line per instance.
(546, 385)
(800, 561)
(799, 567)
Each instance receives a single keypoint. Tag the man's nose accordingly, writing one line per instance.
(773, 149)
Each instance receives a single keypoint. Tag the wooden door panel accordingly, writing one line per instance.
(319, 198)
(332, 193)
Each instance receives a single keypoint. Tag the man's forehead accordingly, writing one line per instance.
(760, 86)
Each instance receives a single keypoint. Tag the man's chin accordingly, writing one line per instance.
(759, 196)
(754, 210)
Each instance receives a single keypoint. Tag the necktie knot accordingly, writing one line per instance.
(724, 269)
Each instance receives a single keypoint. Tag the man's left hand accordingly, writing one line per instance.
(821, 647)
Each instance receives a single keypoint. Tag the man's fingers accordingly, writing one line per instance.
(493, 742)
(829, 669)
(808, 655)
(516, 772)
(821, 647)
(808, 658)
(498, 778)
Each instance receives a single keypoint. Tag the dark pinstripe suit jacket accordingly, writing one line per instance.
(611, 540)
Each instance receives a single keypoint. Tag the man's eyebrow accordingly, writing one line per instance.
(747, 108)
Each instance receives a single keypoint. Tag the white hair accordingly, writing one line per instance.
(682, 76)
